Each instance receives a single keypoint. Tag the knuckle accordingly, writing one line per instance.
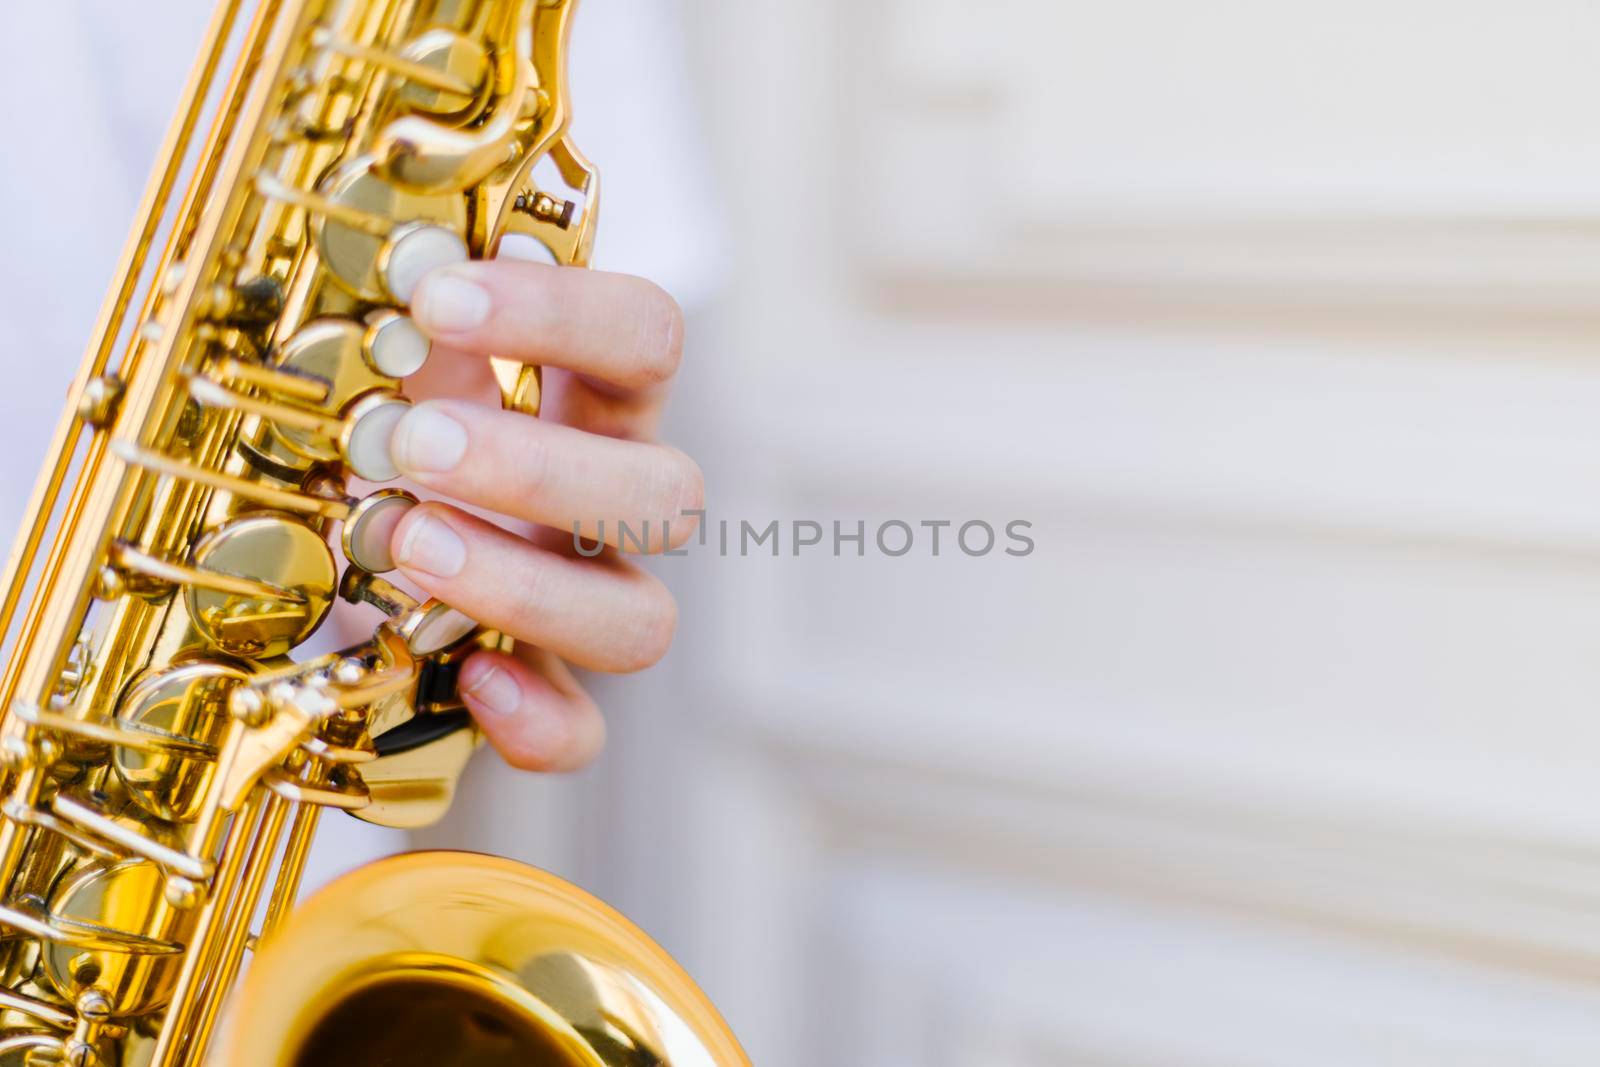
(659, 344)
(526, 590)
(525, 453)
(686, 494)
(652, 629)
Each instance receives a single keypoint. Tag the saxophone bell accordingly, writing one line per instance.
(454, 958)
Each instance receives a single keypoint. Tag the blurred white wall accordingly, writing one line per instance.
(1279, 321)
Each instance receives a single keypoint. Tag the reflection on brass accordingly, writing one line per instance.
(270, 495)
(350, 252)
(331, 350)
(98, 402)
(283, 552)
(164, 758)
(461, 59)
(127, 896)
(414, 788)
(477, 960)
(188, 701)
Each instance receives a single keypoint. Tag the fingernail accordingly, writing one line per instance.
(427, 441)
(430, 545)
(492, 687)
(449, 303)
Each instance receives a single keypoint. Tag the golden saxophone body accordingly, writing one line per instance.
(165, 755)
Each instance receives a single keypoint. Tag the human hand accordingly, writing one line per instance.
(610, 345)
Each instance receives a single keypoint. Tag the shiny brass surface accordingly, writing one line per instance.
(454, 958)
(414, 788)
(353, 244)
(329, 350)
(188, 703)
(280, 551)
(165, 758)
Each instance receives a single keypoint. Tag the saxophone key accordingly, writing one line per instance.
(368, 532)
(371, 222)
(368, 427)
(331, 350)
(365, 245)
(435, 627)
(170, 728)
(361, 431)
(128, 941)
(453, 67)
(394, 346)
(412, 252)
(281, 553)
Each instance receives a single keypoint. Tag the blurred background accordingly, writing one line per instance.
(1277, 321)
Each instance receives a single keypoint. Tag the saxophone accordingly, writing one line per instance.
(165, 759)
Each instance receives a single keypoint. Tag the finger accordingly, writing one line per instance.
(613, 328)
(569, 398)
(628, 494)
(532, 710)
(604, 614)
(572, 400)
